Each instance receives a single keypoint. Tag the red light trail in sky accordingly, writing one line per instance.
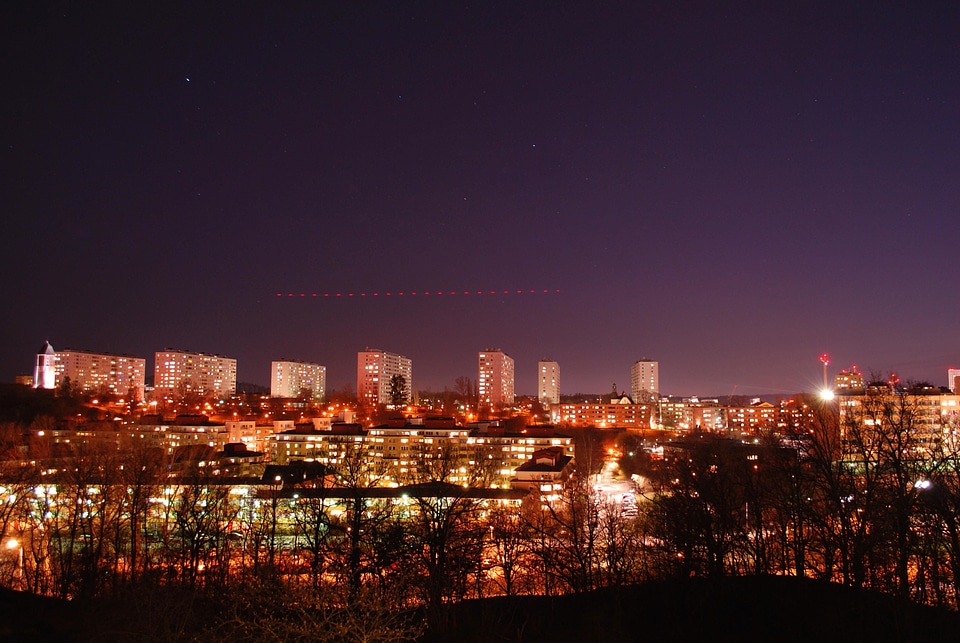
(423, 293)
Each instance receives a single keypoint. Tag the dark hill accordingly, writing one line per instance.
(747, 609)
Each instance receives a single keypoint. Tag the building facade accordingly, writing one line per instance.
(495, 383)
(618, 412)
(102, 373)
(375, 369)
(645, 380)
(692, 413)
(393, 455)
(548, 382)
(179, 372)
(851, 380)
(919, 425)
(952, 375)
(288, 379)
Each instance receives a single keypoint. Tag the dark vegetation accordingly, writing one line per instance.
(757, 608)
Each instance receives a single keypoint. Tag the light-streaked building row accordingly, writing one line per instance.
(392, 455)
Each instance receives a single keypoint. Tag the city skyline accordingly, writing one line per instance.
(730, 190)
(638, 368)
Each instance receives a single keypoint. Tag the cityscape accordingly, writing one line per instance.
(187, 481)
(479, 321)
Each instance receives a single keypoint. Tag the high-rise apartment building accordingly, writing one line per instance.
(548, 382)
(182, 372)
(952, 375)
(375, 370)
(45, 368)
(102, 372)
(645, 380)
(495, 381)
(289, 379)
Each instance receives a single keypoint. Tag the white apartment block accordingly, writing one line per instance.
(375, 369)
(182, 372)
(645, 380)
(495, 381)
(548, 382)
(952, 375)
(287, 379)
(101, 372)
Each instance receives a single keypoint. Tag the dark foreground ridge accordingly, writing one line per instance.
(748, 609)
(742, 609)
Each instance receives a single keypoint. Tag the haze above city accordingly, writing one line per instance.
(729, 190)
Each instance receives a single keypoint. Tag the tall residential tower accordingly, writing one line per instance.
(645, 381)
(375, 369)
(548, 382)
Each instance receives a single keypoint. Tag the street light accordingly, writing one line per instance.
(12, 544)
(826, 394)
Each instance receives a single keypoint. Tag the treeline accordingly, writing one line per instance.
(872, 501)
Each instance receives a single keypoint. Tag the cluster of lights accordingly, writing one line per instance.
(422, 293)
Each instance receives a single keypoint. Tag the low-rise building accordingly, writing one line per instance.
(617, 412)
(546, 473)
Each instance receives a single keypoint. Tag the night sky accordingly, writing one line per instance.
(728, 188)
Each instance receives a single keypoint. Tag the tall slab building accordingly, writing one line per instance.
(179, 371)
(548, 382)
(645, 380)
(495, 380)
(102, 372)
(375, 369)
(288, 379)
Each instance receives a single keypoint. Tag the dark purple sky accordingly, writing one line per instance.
(729, 188)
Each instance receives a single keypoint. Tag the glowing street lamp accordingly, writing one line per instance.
(826, 394)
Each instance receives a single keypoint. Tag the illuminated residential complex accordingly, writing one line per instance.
(178, 372)
(692, 413)
(289, 379)
(375, 369)
(645, 380)
(548, 382)
(923, 421)
(393, 453)
(620, 412)
(495, 381)
(102, 372)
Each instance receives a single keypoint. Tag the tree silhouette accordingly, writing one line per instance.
(398, 390)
